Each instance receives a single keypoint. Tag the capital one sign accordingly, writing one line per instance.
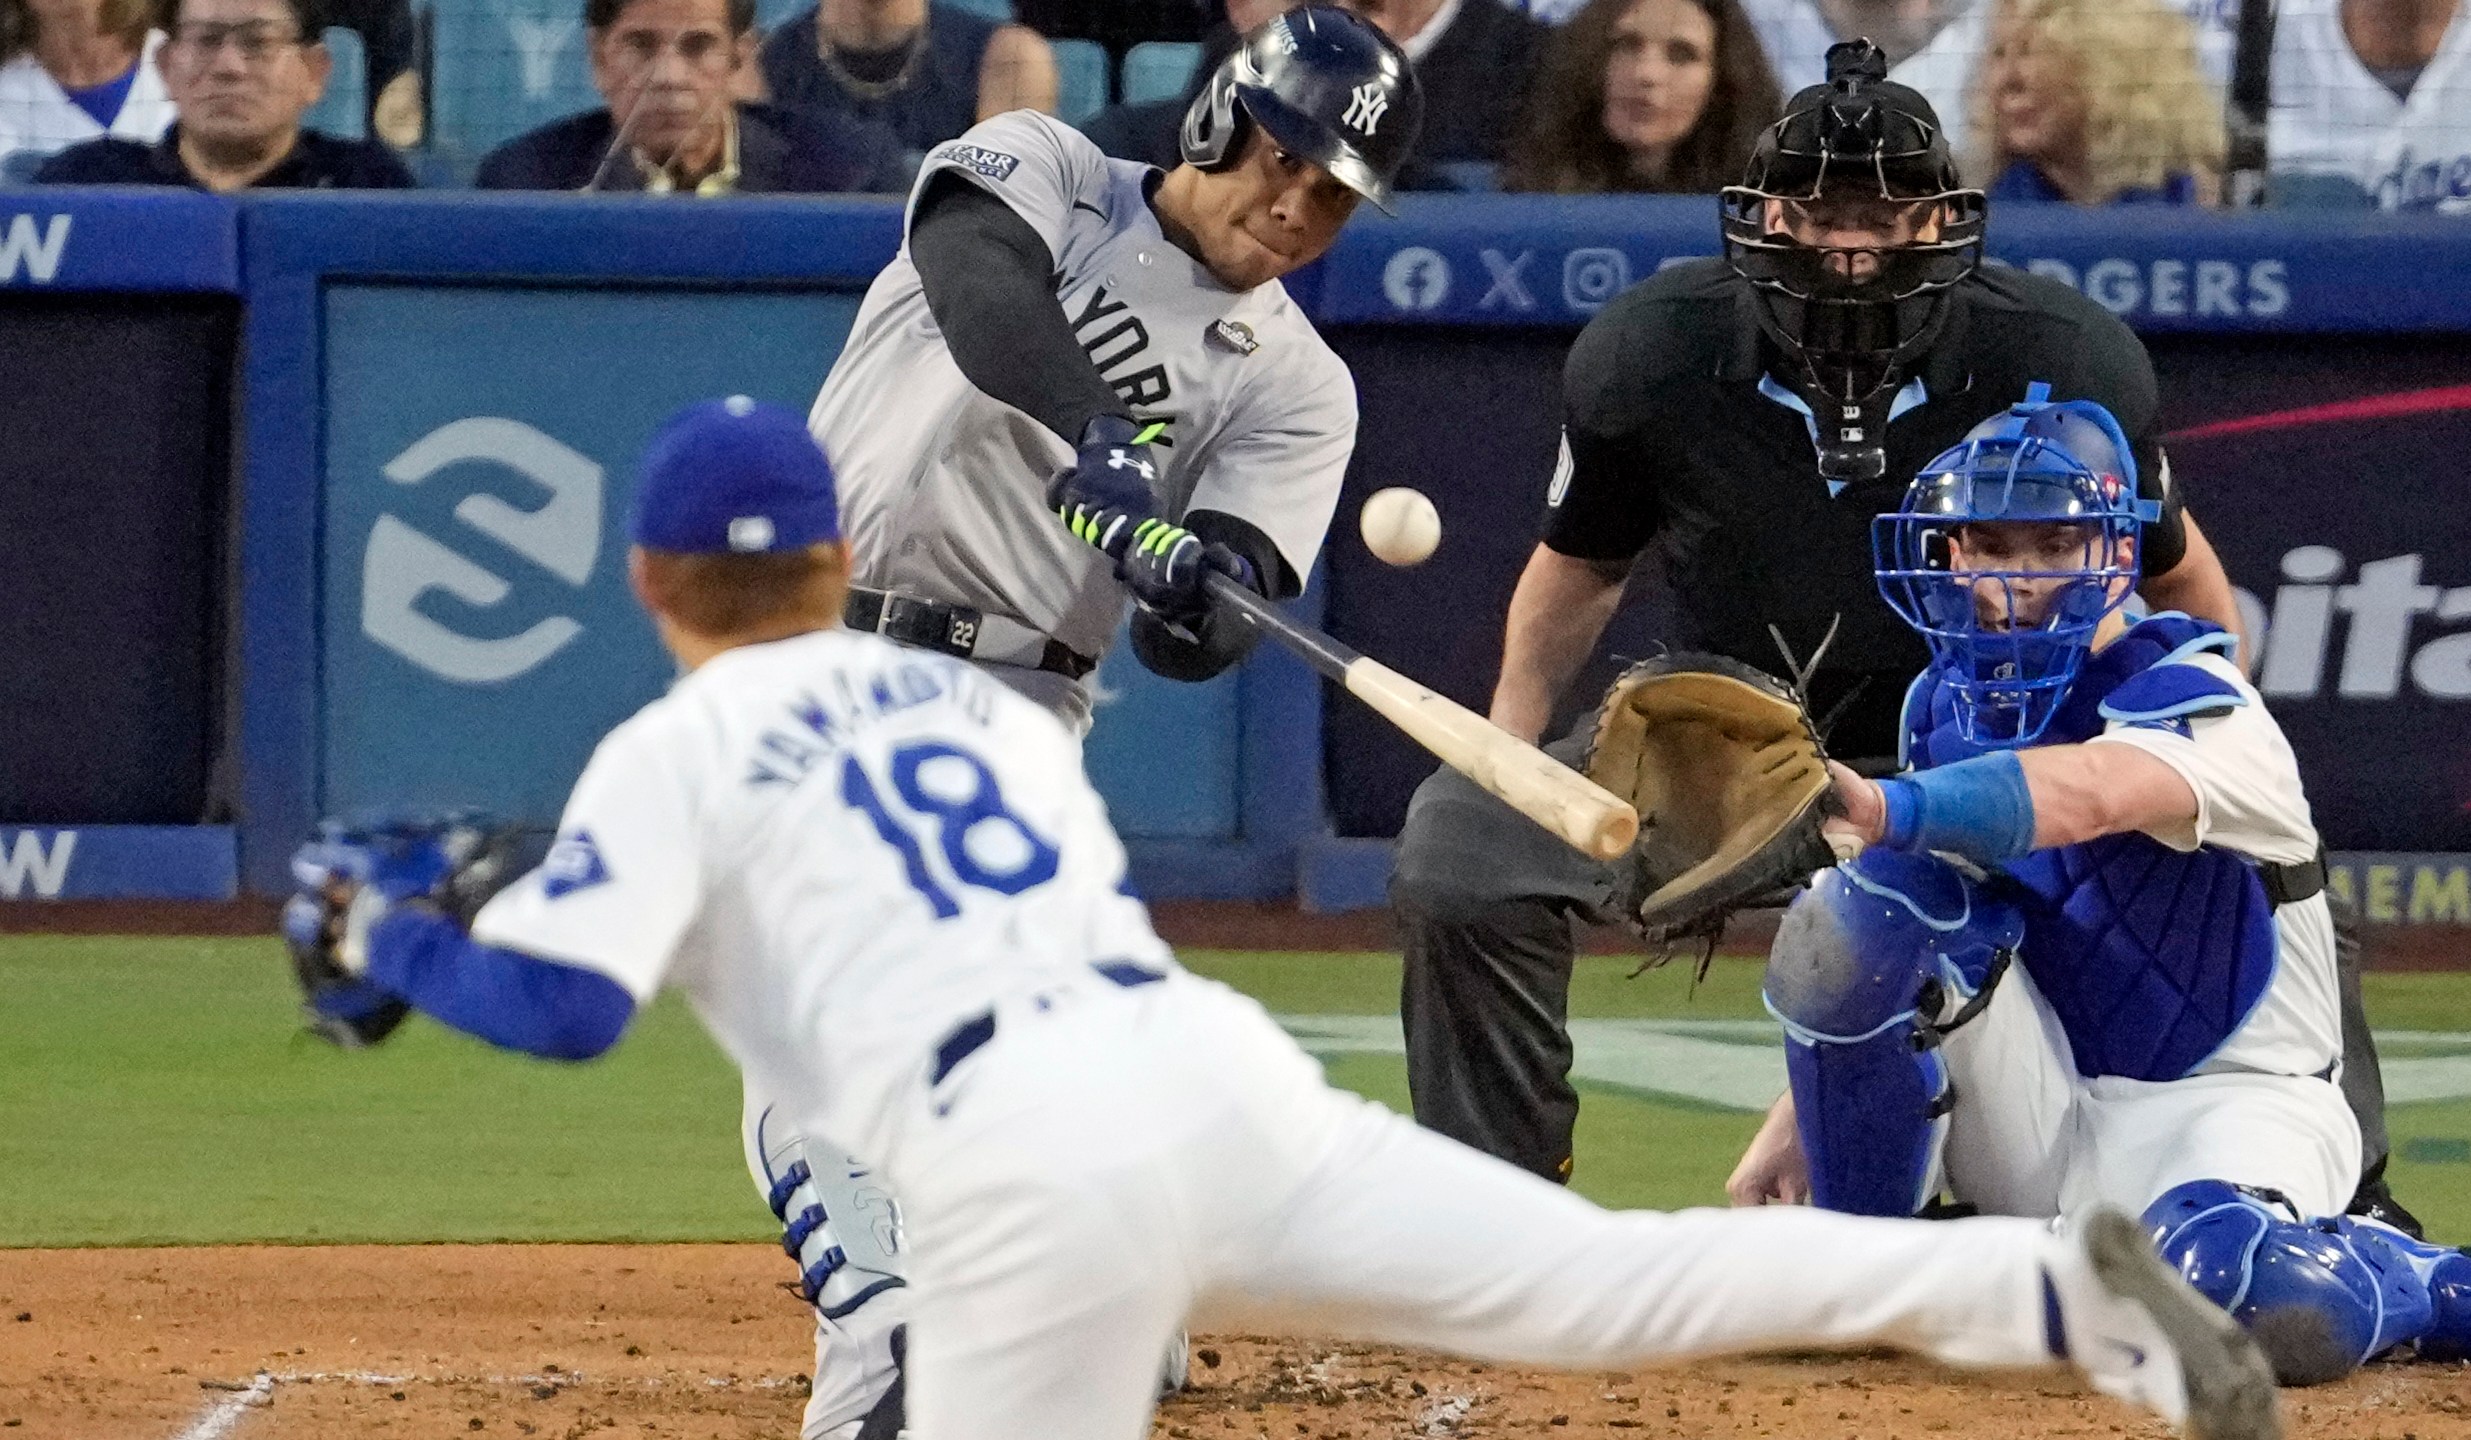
(404, 565)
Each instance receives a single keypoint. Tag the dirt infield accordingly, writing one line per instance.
(698, 1343)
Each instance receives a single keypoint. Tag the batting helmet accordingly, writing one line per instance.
(1327, 86)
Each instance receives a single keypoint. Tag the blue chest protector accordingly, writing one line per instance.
(2150, 958)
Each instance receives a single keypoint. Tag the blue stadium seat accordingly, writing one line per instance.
(771, 15)
(343, 110)
(504, 67)
(1159, 70)
(1081, 68)
(2299, 190)
(992, 9)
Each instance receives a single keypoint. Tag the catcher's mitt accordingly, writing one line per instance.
(1731, 784)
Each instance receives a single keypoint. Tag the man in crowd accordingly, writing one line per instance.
(2376, 93)
(241, 73)
(926, 72)
(668, 70)
(1474, 59)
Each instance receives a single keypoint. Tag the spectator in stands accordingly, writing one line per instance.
(76, 70)
(670, 67)
(1475, 59)
(1796, 34)
(2099, 102)
(242, 73)
(1650, 95)
(2372, 102)
(1946, 69)
(391, 41)
(1120, 24)
(927, 71)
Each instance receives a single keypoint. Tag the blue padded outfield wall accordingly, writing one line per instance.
(439, 399)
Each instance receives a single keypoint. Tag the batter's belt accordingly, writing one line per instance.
(959, 630)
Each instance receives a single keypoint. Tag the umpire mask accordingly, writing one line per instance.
(1850, 226)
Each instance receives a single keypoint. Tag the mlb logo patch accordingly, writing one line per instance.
(573, 864)
(1236, 336)
(994, 164)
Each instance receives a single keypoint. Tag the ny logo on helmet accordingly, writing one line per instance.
(1364, 111)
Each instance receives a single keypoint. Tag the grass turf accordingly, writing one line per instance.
(157, 1091)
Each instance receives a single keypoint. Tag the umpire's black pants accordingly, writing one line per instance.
(1488, 903)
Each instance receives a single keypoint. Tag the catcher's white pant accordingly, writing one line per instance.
(2029, 1136)
(1115, 1160)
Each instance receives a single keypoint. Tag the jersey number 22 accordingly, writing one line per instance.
(955, 817)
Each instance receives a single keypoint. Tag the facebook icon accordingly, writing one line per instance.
(1416, 279)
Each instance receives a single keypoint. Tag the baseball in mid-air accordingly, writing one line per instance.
(1400, 525)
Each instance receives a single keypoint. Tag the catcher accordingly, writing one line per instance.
(1741, 421)
(2087, 957)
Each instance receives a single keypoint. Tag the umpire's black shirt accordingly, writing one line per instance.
(1681, 436)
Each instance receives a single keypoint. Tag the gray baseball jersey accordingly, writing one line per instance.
(943, 489)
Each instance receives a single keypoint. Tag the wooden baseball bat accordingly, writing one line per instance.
(1589, 818)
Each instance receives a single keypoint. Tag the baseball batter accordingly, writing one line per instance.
(1066, 332)
(880, 879)
(2119, 989)
(1060, 316)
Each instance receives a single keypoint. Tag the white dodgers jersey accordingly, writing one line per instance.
(2332, 117)
(838, 849)
(2248, 799)
(943, 489)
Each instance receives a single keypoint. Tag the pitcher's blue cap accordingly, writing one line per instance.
(734, 477)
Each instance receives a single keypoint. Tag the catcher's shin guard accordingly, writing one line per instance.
(1870, 968)
(2322, 1296)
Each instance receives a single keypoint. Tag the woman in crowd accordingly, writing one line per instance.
(2098, 102)
(1647, 95)
(76, 70)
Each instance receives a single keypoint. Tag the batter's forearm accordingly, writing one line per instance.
(2198, 586)
(1560, 608)
(990, 283)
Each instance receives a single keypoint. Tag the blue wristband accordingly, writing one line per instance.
(1980, 808)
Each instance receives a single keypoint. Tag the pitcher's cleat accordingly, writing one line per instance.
(2139, 1333)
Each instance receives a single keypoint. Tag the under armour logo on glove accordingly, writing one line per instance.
(1127, 460)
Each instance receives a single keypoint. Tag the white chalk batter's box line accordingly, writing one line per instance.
(223, 1416)
(1740, 1064)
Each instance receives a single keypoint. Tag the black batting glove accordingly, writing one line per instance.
(1114, 470)
(1166, 567)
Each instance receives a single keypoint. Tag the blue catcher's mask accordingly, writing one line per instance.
(2010, 640)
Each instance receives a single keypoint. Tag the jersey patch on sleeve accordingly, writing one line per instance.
(1236, 336)
(1563, 468)
(994, 164)
(573, 864)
